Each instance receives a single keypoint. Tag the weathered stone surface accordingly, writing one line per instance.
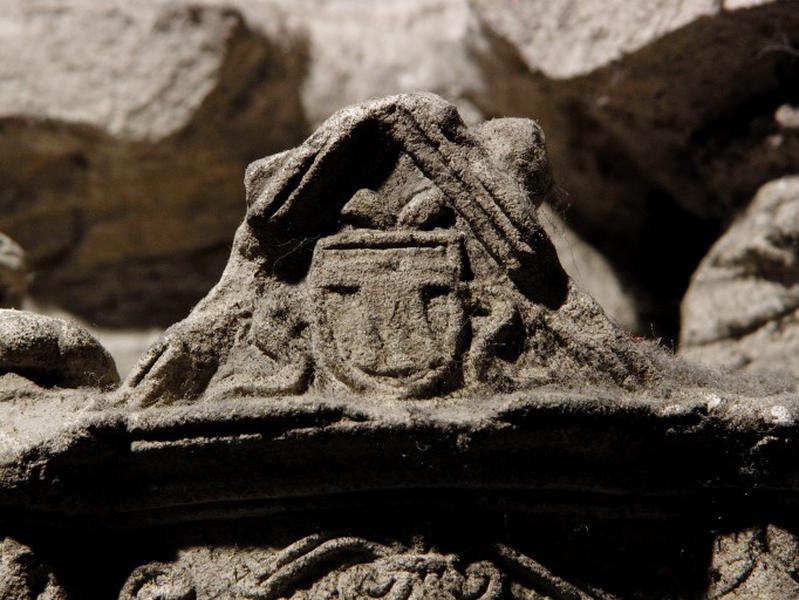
(42, 81)
(271, 472)
(158, 581)
(321, 566)
(742, 308)
(52, 352)
(758, 562)
(125, 345)
(666, 116)
(666, 113)
(124, 132)
(23, 577)
(355, 51)
(572, 38)
(394, 391)
(504, 140)
(425, 274)
(592, 271)
(629, 63)
(13, 273)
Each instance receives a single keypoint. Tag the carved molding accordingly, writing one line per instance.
(325, 567)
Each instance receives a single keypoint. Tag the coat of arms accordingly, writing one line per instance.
(389, 315)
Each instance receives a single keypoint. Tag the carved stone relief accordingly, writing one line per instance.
(53, 352)
(23, 576)
(393, 330)
(760, 562)
(389, 310)
(158, 581)
(395, 253)
(328, 567)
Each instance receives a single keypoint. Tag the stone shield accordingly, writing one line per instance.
(389, 314)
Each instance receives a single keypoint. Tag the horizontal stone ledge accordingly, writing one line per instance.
(654, 452)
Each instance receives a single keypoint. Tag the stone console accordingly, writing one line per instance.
(394, 391)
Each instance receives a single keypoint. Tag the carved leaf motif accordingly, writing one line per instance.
(158, 581)
(420, 576)
(351, 568)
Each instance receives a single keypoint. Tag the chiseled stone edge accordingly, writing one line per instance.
(177, 460)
